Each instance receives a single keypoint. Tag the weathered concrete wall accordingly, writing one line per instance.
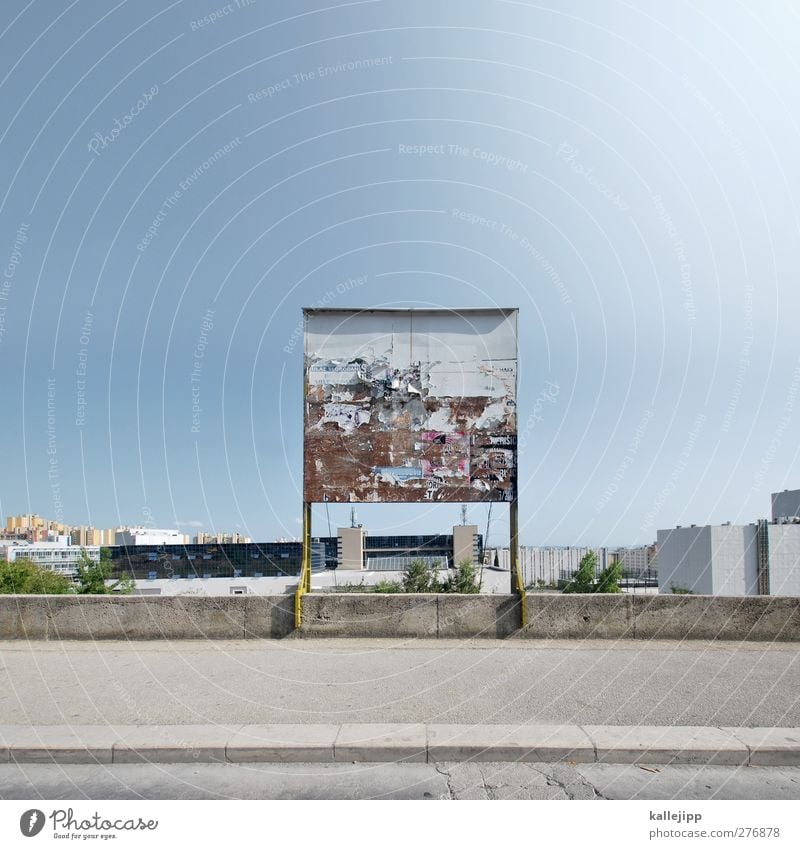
(585, 617)
(145, 617)
(416, 615)
(367, 615)
(666, 617)
(553, 616)
(268, 616)
(550, 616)
(697, 617)
(494, 616)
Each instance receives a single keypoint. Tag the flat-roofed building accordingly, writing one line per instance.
(150, 536)
(762, 558)
(58, 556)
(786, 505)
(708, 560)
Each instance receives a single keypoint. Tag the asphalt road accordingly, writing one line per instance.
(445, 681)
(395, 781)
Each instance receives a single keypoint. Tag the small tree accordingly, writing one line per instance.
(496, 560)
(583, 580)
(465, 580)
(24, 577)
(609, 578)
(93, 574)
(420, 578)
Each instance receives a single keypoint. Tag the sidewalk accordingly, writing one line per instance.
(409, 743)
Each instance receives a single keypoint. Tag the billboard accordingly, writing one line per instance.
(410, 405)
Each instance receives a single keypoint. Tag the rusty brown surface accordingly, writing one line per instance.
(387, 439)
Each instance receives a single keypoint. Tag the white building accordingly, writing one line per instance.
(150, 536)
(762, 558)
(638, 560)
(57, 556)
(786, 504)
(709, 560)
(547, 565)
(783, 573)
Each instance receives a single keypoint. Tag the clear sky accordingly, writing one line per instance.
(178, 179)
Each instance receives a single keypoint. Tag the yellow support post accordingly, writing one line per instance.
(307, 544)
(517, 584)
(304, 586)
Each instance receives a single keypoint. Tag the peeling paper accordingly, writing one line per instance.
(398, 474)
(347, 416)
(410, 405)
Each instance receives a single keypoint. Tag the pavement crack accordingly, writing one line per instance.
(448, 780)
(487, 789)
(552, 781)
(571, 781)
(584, 782)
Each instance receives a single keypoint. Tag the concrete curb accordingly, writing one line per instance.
(413, 743)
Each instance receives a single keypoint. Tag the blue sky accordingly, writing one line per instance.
(181, 178)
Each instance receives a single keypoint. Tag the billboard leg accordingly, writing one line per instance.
(517, 584)
(513, 516)
(304, 585)
(307, 546)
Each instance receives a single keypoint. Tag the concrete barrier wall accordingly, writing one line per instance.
(145, 617)
(418, 615)
(590, 616)
(550, 616)
(367, 615)
(698, 617)
(664, 617)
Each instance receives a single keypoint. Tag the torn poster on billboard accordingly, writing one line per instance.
(410, 405)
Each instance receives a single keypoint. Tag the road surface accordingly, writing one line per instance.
(299, 680)
(396, 781)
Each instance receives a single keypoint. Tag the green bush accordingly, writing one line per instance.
(540, 584)
(92, 576)
(465, 580)
(388, 587)
(353, 588)
(584, 580)
(676, 590)
(609, 578)
(23, 576)
(420, 578)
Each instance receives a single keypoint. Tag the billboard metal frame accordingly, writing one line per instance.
(517, 585)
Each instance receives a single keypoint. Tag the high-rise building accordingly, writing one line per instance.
(86, 536)
(786, 505)
(109, 536)
(26, 521)
(638, 561)
(227, 539)
(547, 565)
(34, 528)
